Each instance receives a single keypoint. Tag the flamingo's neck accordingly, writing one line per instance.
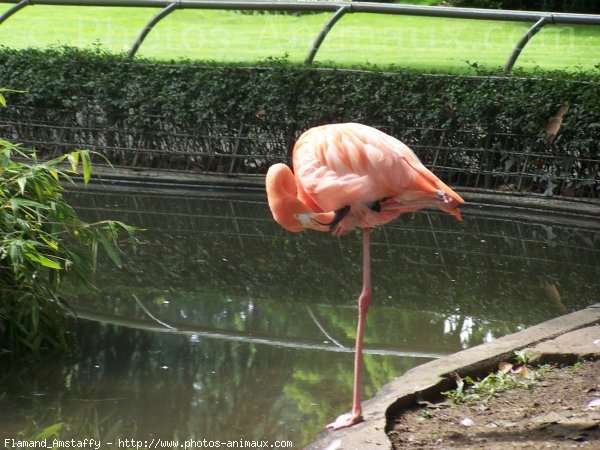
(288, 211)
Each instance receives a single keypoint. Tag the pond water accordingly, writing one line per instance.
(223, 326)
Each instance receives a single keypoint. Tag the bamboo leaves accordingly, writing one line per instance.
(43, 240)
(43, 260)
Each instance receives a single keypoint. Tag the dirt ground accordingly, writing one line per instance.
(560, 411)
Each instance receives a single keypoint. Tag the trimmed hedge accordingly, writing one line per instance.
(487, 131)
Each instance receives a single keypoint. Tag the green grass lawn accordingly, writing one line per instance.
(357, 39)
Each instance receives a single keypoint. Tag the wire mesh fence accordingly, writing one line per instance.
(517, 242)
(487, 259)
(500, 161)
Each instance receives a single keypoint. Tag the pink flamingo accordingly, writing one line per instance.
(347, 176)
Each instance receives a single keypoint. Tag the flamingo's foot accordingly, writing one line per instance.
(345, 420)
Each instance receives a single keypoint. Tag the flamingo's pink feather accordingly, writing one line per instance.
(353, 164)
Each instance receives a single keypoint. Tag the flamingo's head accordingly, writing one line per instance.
(288, 211)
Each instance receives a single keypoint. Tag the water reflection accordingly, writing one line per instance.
(224, 326)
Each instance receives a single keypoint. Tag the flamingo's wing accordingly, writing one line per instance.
(345, 164)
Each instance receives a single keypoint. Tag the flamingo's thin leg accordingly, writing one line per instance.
(347, 420)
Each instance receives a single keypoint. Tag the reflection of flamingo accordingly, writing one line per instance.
(347, 176)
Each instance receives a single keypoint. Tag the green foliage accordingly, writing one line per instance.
(489, 130)
(359, 39)
(42, 241)
(575, 368)
(51, 431)
(458, 395)
(522, 357)
(506, 377)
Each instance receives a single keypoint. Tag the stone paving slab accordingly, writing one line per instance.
(572, 336)
(583, 343)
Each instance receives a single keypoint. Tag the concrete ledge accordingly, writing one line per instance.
(576, 334)
(173, 179)
(177, 179)
(566, 210)
(560, 204)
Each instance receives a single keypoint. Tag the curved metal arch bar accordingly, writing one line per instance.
(237, 336)
(524, 40)
(22, 4)
(161, 15)
(324, 31)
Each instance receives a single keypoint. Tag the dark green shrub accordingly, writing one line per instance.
(488, 130)
(42, 242)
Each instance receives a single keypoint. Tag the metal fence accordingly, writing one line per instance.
(487, 159)
(500, 161)
(339, 8)
(490, 246)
